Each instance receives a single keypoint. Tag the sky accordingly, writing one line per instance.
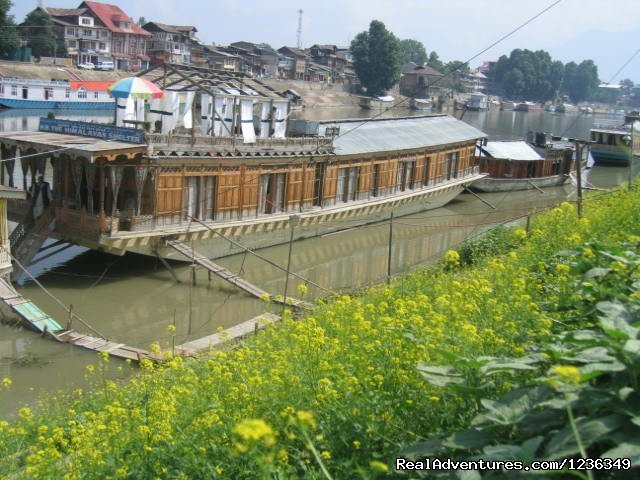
(606, 31)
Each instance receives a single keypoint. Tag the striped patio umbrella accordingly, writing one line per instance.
(135, 87)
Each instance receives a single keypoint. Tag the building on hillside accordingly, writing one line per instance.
(99, 32)
(170, 43)
(421, 82)
(248, 62)
(268, 57)
(293, 64)
(219, 60)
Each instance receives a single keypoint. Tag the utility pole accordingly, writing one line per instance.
(579, 147)
(299, 43)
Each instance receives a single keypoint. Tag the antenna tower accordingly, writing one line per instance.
(300, 28)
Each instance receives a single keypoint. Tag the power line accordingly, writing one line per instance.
(452, 71)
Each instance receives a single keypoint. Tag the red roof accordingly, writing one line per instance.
(108, 13)
(90, 86)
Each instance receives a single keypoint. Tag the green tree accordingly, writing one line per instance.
(457, 73)
(376, 55)
(8, 36)
(141, 21)
(435, 62)
(39, 32)
(413, 51)
(580, 81)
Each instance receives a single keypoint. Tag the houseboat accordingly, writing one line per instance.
(516, 165)
(477, 102)
(614, 142)
(370, 103)
(54, 94)
(527, 107)
(125, 190)
(421, 104)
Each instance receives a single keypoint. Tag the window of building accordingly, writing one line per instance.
(86, 32)
(67, 92)
(405, 175)
(82, 93)
(102, 46)
(48, 93)
(1, 88)
(427, 171)
(347, 186)
(104, 33)
(272, 188)
(95, 95)
(72, 44)
(451, 163)
(85, 21)
(14, 90)
(71, 31)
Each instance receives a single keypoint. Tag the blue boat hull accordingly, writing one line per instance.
(44, 104)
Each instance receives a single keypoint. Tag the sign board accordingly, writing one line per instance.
(94, 130)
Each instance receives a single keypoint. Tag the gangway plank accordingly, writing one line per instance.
(230, 277)
(39, 321)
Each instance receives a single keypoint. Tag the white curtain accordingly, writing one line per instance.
(187, 117)
(165, 109)
(265, 122)
(228, 115)
(205, 113)
(246, 121)
(280, 123)
(218, 116)
(139, 109)
(125, 110)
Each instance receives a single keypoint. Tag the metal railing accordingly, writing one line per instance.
(159, 140)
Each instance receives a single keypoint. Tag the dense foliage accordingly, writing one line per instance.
(8, 35)
(528, 75)
(39, 31)
(413, 51)
(377, 58)
(580, 81)
(341, 393)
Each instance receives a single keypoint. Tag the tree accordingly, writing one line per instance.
(457, 73)
(377, 58)
(580, 81)
(413, 51)
(141, 21)
(435, 62)
(40, 34)
(8, 35)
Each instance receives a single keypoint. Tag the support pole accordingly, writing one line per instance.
(293, 221)
(535, 186)
(579, 147)
(166, 264)
(479, 197)
(390, 247)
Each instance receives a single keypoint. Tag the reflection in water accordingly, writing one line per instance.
(132, 299)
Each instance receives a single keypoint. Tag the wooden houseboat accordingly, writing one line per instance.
(614, 142)
(54, 94)
(235, 176)
(516, 165)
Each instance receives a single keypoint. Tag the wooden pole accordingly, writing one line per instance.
(293, 221)
(579, 176)
(390, 247)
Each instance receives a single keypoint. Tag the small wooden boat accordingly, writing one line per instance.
(421, 104)
(516, 165)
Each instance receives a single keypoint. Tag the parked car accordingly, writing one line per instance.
(87, 66)
(105, 66)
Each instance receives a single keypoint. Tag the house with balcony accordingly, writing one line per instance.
(129, 41)
(170, 43)
(86, 39)
(268, 57)
(421, 82)
(96, 32)
(220, 60)
(293, 63)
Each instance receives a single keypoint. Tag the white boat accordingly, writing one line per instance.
(477, 101)
(421, 104)
(54, 94)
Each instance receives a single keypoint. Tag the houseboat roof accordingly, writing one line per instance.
(406, 133)
(90, 147)
(517, 150)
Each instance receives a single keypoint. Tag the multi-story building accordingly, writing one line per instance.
(86, 39)
(170, 43)
(268, 57)
(293, 63)
(97, 32)
(219, 60)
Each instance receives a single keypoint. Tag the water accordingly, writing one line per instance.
(132, 299)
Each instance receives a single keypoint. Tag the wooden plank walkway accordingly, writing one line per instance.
(232, 333)
(232, 278)
(43, 323)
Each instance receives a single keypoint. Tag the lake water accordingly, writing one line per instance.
(132, 299)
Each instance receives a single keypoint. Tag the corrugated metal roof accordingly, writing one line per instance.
(389, 134)
(511, 150)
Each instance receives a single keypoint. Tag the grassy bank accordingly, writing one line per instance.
(341, 393)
